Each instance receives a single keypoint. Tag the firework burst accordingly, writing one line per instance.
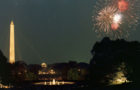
(116, 18)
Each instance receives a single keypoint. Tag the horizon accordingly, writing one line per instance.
(50, 31)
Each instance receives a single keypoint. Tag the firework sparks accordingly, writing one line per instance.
(105, 18)
(115, 18)
(122, 5)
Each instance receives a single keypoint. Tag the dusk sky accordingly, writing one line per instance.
(50, 30)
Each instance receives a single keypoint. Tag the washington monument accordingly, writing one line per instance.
(12, 44)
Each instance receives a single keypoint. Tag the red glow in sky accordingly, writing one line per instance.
(122, 5)
(114, 26)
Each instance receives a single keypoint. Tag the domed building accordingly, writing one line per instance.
(47, 73)
(43, 65)
(43, 69)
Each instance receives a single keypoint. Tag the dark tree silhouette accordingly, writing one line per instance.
(71, 69)
(4, 70)
(110, 57)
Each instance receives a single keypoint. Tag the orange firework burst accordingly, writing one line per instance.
(114, 26)
(122, 5)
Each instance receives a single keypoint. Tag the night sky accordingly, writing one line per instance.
(50, 30)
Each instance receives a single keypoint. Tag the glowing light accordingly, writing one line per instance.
(119, 79)
(12, 44)
(114, 26)
(122, 5)
(117, 18)
(52, 71)
(105, 17)
(5, 86)
(54, 82)
(44, 65)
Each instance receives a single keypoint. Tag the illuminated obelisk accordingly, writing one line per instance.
(12, 44)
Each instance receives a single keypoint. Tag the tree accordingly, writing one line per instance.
(4, 70)
(73, 74)
(30, 76)
(114, 61)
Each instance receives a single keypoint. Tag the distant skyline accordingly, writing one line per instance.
(50, 30)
